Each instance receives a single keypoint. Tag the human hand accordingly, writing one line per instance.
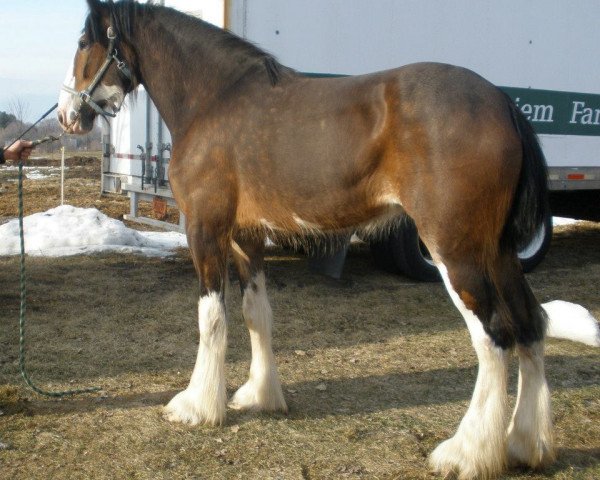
(20, 150)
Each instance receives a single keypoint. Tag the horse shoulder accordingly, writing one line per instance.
(203, 179)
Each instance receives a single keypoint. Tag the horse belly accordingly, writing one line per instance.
(335, 210)
(316, 165)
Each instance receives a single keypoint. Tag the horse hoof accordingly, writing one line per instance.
(444, 461)
(249, 397)
(533, 454)
(186, 407)
(453, 459)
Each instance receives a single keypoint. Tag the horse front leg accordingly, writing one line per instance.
(262, 391)
(204, 400)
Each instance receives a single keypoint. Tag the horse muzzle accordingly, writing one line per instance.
(76, 121)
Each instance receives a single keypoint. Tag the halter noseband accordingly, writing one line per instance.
(111, 55)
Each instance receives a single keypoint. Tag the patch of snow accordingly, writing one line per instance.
(557, 221)
(67, 230)
(36, 173)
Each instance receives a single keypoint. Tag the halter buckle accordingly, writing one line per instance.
(85, 96)
(122, 66)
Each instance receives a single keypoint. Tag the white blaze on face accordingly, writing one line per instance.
(65, 99)
(69, 103)
(66, 108)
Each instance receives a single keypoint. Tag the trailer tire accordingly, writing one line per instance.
(411, 255)
(382, 255)
(404, 252)
(531, 255)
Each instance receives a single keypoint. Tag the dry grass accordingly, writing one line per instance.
(82, 189)
(393, 354)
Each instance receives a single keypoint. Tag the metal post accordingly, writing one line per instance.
(148, 169)
(62, 176)
(160, 169)
(133, 204)
(106, 152)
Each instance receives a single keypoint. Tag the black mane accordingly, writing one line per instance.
(123, 14)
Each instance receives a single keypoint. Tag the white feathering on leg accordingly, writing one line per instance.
(262, 391)
(530, 434)
(204, 400)
(478, 448)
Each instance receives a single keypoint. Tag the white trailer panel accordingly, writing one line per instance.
(545, 51)
(542, 44)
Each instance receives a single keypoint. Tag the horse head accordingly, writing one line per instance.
(101, 75)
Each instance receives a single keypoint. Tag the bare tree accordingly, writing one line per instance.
(8, 134)
(48, 127)
(19, 108)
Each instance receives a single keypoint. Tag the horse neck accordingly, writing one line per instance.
(183, 74)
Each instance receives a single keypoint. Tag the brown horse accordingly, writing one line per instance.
(261, 149)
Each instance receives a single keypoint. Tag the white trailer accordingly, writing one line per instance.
(543, 54)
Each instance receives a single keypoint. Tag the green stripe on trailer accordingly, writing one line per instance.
(558, 113)
(549, 111)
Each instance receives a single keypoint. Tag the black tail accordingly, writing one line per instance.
(530, 205)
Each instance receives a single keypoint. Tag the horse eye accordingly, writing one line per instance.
(83, 44)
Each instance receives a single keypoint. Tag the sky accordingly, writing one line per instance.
(39, 39)
(39, 42)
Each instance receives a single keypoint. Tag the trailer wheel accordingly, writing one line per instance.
(404, 253)
(382, 254)
(531, 255)
(411, 254)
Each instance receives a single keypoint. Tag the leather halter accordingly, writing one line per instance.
(86, 95)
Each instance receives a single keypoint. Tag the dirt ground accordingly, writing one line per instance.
(377, 369)
(82, 188)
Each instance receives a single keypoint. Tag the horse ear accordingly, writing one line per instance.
(96, 7)
(99, 14)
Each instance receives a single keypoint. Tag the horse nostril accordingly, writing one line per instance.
(61, 118)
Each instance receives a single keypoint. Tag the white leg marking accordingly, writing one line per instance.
(203, 401)
(530, 434)
(478, 448)
(262, 391)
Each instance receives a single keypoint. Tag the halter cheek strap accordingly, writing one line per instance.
(111, 55)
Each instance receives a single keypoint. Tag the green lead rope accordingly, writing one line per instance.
(24, 307)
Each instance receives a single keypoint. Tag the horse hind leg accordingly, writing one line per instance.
(530, 434)
(478, 448)
(262, 391)
(501, 312)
